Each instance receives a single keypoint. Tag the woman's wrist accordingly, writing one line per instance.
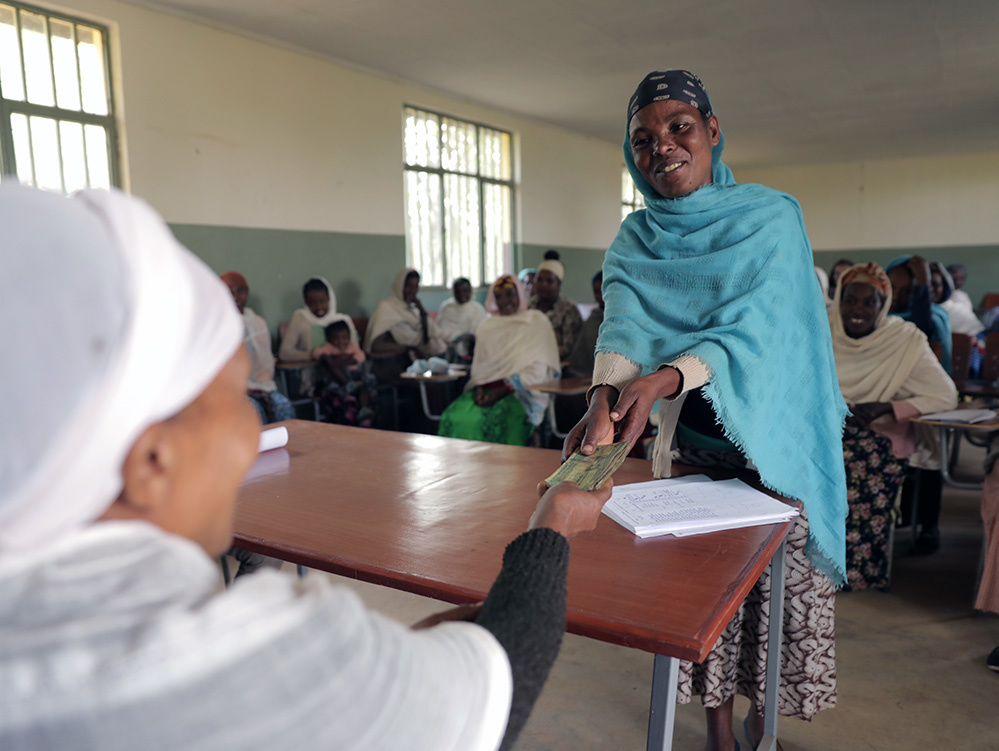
(669, 382)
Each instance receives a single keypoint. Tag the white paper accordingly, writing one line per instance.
(273, 438)
(680, 506)
(969, 416)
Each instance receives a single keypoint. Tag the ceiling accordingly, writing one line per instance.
(792, 81)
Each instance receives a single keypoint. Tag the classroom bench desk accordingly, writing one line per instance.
(433, 515)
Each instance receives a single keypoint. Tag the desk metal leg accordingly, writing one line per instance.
(426, 403)
(551, 419)
(662, 712)
(774, 645)
(945, 434)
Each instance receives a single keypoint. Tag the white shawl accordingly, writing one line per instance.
(331, 312)
(874, 367)
(455, 319)
(508, 345)
(258, 345)
(393, 311)
(132, 328)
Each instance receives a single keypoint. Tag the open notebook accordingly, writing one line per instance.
(692, 505)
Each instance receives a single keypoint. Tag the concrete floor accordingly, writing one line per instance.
(910, 662)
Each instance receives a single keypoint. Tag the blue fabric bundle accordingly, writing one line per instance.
(941, 321)
(726, 274)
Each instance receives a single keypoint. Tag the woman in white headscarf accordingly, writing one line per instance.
(459, 316)
(118, 486)
(400, 323)
(888, 375)
(514, 349)
(305, 338)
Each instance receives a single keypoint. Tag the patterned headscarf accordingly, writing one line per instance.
(504, 282)
(867, 273)
(659, 85)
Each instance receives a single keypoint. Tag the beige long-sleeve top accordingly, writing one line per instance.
(612, 369)
(296, 344)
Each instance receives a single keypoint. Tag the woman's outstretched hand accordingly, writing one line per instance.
(595, 428)
(628, 415)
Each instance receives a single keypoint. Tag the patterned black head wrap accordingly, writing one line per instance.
(681, 85)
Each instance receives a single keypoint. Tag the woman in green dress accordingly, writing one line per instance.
(515, 348)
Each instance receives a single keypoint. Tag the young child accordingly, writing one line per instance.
(350, 398)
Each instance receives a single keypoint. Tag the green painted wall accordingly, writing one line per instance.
(982, 262)
(361, 268)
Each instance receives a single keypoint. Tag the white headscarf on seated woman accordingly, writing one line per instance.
(520, 344)
(403, 320)
(117, 363)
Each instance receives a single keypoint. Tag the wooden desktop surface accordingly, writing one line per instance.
(433, 515)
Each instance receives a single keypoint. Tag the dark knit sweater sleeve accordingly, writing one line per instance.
(525, 611)
(920, 311)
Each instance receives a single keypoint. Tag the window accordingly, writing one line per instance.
(631, 197)
(57, 129)
(459, 199)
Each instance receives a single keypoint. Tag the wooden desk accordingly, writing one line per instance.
(977, 389)
(433, 515)
(565, 387)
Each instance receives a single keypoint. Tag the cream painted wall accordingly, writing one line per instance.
(227, 130)
(899, 203)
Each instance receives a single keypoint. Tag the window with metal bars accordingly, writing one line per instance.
(459, 199)
(57, 129)
(631, 198)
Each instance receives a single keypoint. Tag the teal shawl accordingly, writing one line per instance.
(726, 274)
(941, 322)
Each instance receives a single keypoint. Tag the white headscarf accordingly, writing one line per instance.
(393, 310)
(873, 367)
(331, 314)
(553, 266)
(119, 327)
(508, 345)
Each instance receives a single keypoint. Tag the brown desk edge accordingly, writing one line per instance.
(456, 557)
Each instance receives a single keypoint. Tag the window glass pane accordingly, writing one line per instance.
(422, 147)
(74, 160)
(423, 226)
(11, 81)
(506, 159)
(461, 227)
(96, 139)
(64, 62)
(45, 150)
(22, 149)
(490, 158)
(496, 208)
(459, 148)
(90, 47)
(37, 63)
(627, 187)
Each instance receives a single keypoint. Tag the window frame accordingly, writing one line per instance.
(480, 180)
(8, 162)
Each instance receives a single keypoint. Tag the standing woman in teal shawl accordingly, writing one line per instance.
(712, 305)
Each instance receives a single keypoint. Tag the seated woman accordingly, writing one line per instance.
(350, 394)
(271, 404)
(305, 337)
(401, 327)
(114, 633)
(912, 301)
(963, 321)
(888, 374)
(561, 311)
(514, 349)
(459, 317)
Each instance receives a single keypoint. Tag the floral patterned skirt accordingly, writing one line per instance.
(873, 479)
